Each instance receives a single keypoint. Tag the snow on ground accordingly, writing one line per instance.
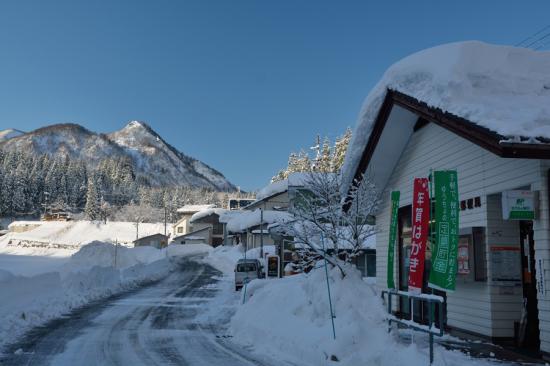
(290, 318)
(505, 89)
(90, 274)
(72, 234)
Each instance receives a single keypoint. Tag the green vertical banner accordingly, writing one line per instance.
(445, 250)
(393, 236)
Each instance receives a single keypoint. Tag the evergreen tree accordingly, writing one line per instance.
(92, 209)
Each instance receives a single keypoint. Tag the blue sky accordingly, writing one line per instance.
(236, 84)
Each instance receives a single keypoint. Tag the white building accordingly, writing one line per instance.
(183, 225)
(483, 111)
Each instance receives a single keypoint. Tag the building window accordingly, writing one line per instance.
(480, 255)
(180, 230)
(370, 258)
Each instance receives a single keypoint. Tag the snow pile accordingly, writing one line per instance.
(290, 318)
(88, 275)
(239, 221)
(504, 89)
(224, 258)
(294, 179)
(73, 234)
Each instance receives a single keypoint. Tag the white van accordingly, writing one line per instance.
(246, 270)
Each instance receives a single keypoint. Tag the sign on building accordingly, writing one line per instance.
(420, 223)
(273, 266)
(505, 265)
(444, 256)
(518, 205)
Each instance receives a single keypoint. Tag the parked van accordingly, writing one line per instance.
(246, 270)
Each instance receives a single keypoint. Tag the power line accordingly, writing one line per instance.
(540, 47)
(532, 36)
(538, 40)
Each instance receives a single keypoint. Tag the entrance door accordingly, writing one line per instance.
(529, 324)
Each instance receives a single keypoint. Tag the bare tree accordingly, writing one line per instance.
(321, 223)
(138, 213)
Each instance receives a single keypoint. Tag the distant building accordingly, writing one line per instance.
(183, 226)
(239, 203)
(158, 241)
(202, 236)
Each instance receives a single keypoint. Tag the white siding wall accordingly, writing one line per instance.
(541, 228)
(480, 173)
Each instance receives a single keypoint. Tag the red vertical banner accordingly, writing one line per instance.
(420, 223)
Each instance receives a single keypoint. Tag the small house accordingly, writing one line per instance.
(158, 241)
(183, 225)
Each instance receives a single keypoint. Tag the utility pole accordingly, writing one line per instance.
(262, 232)
(165, 219)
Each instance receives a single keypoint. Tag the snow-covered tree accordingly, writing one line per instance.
(340, 149)
(321, 221)
(92, 209)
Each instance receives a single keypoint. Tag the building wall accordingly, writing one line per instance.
(480, 173)
(541, 228)
(183, 224)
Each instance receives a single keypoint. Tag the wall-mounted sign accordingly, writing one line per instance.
(505, 265)
(420, 223)
(445, 252)
(518, 205)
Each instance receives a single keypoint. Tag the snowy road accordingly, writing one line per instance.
(180, 320)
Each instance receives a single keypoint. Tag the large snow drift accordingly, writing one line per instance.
(90, 274)
(290, 318)
(502, 88)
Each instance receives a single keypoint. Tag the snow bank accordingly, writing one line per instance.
(298, 325)
(88, 275)
(502, 88)
(224, 258)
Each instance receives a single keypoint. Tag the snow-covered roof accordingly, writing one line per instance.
(194, 208)
(294, 179)
(238, 221)
(207, 212)
(501, 88)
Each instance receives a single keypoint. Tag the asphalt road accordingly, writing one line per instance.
(177, 321)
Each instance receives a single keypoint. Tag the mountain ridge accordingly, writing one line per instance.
(156, 161)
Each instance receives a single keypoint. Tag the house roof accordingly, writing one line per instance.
(193, 208)
(207, 212)
(239, 221)
(151, 236)
(279, 187)
(497, 97)
(191, 235)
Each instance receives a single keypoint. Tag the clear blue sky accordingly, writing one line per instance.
(236, 84)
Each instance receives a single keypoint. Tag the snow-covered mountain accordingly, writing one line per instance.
(154, 160)
(9, 133)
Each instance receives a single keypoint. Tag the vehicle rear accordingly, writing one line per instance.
(245, 271)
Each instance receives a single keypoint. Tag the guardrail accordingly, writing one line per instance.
(430, 328)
